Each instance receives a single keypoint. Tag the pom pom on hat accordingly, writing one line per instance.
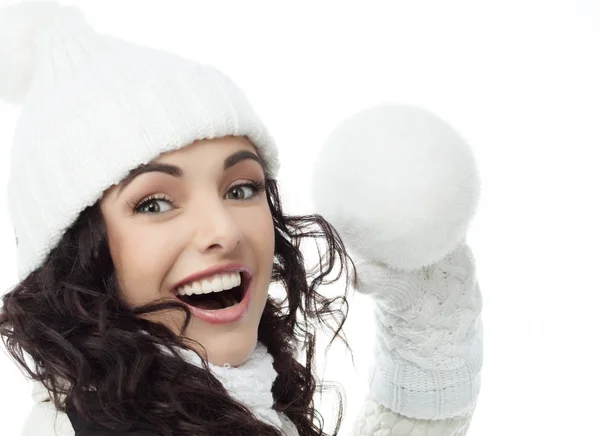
(20, 25)
(399, 184)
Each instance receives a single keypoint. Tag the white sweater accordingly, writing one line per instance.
(426, 376)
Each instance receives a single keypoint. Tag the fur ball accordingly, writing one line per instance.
(399, 185)
(20, 24)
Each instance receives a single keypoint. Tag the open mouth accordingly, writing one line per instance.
(217, 300)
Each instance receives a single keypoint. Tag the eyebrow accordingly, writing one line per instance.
(175, 171)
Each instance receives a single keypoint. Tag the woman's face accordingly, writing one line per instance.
(196, 216)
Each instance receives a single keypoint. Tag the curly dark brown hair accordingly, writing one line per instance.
(67, 327)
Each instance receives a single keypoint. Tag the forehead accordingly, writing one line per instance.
(216, 151)
(218, 147)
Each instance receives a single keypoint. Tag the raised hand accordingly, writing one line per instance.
(401, 187)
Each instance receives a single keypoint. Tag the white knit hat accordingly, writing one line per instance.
(96, 107)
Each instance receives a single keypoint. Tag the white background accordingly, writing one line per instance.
(517, 78)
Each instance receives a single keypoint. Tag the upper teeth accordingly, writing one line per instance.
(216, 283)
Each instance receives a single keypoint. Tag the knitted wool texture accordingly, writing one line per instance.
(95, 108)
(429, 348)
(250, 384)
(375, 419)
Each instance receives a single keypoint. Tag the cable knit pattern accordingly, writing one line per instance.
(375, 419)
(428, 352)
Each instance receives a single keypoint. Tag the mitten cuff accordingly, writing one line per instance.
(410, 390)
(429, 338)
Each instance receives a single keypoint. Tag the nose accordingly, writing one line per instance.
(216, 230)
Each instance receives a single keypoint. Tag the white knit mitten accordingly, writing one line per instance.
(401, 187)
(428, 350)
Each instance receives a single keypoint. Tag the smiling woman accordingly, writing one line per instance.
(144, 196)
(183, 224)
(144, 295)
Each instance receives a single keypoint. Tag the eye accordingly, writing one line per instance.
(152, 205)
(245, 191)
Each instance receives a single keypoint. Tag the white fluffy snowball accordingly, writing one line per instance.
(399, 184)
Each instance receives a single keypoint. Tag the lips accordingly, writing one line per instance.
(226, 315)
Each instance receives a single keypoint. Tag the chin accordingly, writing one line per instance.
(232, 353)
(231, 347)
(234, 358)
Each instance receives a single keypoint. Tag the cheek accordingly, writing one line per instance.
(262, 233)
(138, 268)
(259, 235)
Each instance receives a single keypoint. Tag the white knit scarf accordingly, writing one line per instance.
(250, 384)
